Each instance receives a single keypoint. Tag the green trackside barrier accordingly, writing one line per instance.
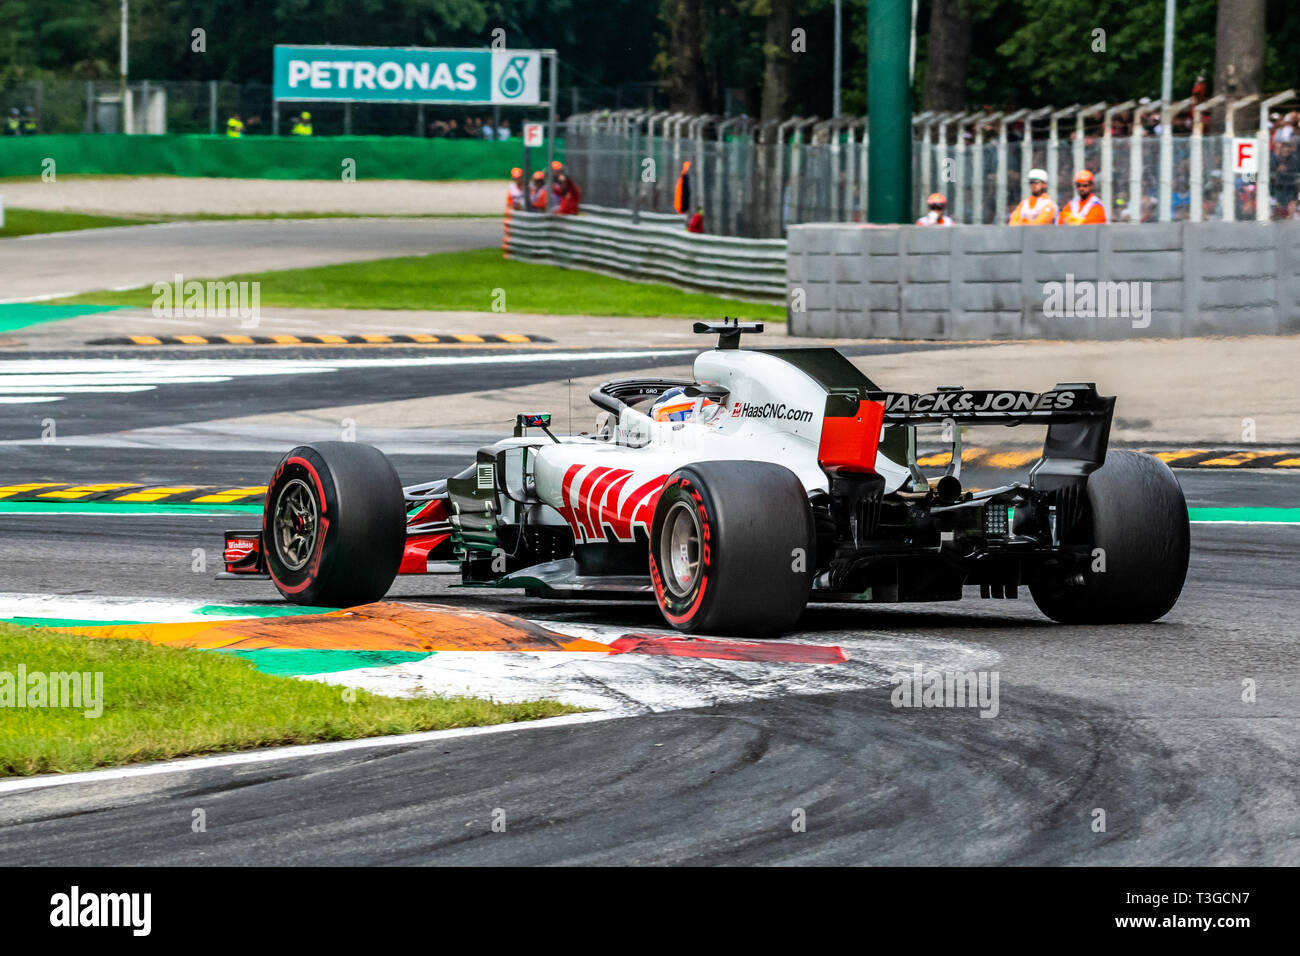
(266, 157)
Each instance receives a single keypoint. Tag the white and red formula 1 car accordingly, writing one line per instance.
(775, 477)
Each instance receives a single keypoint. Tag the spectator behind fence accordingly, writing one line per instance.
(935, 217)
(538, 195)
(516, 194)
(569, 193)
(1085, 209)
(503, 131)
(1036, 209)
(696, 223)
(13, 123)
(235, 127)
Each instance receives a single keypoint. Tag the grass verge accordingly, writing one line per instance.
(162, 702)
(468, 281)
(30, 222)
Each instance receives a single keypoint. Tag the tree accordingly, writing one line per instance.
(1240, 44)
(683, 66)
(948, 56)
(778, 71)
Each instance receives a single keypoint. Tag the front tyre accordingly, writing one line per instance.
(334, 525)
(731, 548)
(1137, 517)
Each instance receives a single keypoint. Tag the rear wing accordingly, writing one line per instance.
(1077, 419)
(1063, 403)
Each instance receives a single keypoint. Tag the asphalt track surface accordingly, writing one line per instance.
(1143, 722)
(130, 256)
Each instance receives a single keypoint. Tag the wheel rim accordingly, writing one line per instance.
(295, 522)
(679, 549)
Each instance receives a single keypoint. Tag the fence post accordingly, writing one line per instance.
(923, 120)
(1263, 189)
(1003, 179)
(90, 106)
(1229, 177)
(1027, 147)
(1167, 115)
(1197, 166)
(977, 194)
(1108, 155)
(212, 107)
(957, 202)
(1053, 147)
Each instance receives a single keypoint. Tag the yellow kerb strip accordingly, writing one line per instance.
(286, 339)
(1012, 459)
(82, 491)
(1240, 458)
(154, 494)
(229, 495)
(8, 490)
(513, 337)
(238, 339)
(1284, 463)
(377, 339)
(1168, 456)
(146, 340)
(192, 339)
(467, 337)
(332, 339)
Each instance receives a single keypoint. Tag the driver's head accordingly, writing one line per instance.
(675, 405)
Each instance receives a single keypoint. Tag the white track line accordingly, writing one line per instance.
(191, 764)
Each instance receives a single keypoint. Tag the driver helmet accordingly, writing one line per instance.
(675, 405)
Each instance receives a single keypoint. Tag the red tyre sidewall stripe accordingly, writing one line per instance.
(666, 603)
(313, 566)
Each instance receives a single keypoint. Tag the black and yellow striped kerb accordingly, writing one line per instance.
(129, 492)
(446, 338)
(1180, 458)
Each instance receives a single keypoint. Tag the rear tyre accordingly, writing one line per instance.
(334, 525)
(1137, 516)
(732, 548)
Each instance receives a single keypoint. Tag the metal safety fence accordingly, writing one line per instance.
(1152, 163)
(654, 248)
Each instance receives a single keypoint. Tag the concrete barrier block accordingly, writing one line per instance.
(921, 240)
(816, 240)
(1062, 238)
(881, 295)
(1055, 266)
(989, 239)
(931, 296)
(883, 241)
(926, 268)
(884, 324)
(817, 296)
(851, 268)
(818, 268)
(1144, 266)
(924, 325)
(847, 241)
(972, 325)
(848, 298)
(1223, 321)
(987, 297)
(1147, 237)
(988, 267)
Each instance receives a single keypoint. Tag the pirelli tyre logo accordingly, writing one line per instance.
(775, 411)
